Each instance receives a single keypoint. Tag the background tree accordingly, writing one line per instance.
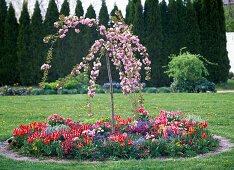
(154, 40)
(23, 51)
(52, 15)
(64, 58)
(192, 32)
(176, 24)
(229, 15)
(213, 40)
(103, 15)
(8, 71)
(138, 20)
(77, 40)
(37, 46)
(3, 14)
(165, 50)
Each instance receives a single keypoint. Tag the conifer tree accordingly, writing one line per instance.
(213, 40)
(52, 15)
(138, 21)
(77, 40)
(8, 71)
(113, 10)
(78, 46)
(91, 33)
(37, 46)
(192, 32)
(154, 40)
(224, 63)
(103, 15)
(173, 25)
(79, 9)
(23, 45)
(3, 14)
(132, 10)
(63, 59)
(127, 12)
(165, 50)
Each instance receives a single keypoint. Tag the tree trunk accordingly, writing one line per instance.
(111, 92)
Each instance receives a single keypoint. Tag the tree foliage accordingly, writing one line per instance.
(186, 66)
(37, 46)
(23, 51)
(8, 71)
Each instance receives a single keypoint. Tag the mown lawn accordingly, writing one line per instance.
(216, 109)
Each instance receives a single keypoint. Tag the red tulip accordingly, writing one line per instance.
(204, 135)
(165, 134)
(122, 144)
(204, 124)
(80, 145)
(176, 131)
(130, 142)
(141, 110)
(129, 119)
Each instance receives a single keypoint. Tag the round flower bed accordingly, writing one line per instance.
(169, 134)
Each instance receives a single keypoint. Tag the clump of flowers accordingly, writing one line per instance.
(169, 134)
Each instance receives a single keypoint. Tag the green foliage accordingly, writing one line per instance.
(103, 15)
(52, 15)
(25, 60)
(9, 61)
(3, 14)
(192, 32)
(213, 39)
(37, 49)
(138, 21)
(186, 66)
(154, 39)
(230, 75)
(150, 90)
(164, 90)
(229, 85)
(229, 15)
(14, 91)
(165, 50)
(200, 86)
(64, 59)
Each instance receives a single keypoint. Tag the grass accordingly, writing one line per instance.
(216, 109)
(229, 85)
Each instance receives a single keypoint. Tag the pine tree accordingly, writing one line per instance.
(165, 50)
(173, 25)
(213, 40)
(9, 70)
(154, 40)
(127, 12)
(78, 46)
(192, 32)
(3, 14)
(91, 33)
(138, 21)
(52, 15)
(63, 59)
(224, 63)
(37, 46)
(113, 10)
(103, 15)
(23, 44)
(79, 9)
(132, 10)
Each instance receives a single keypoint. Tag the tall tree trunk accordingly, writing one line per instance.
(111, 92)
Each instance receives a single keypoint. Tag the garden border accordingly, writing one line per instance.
(224, 145)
